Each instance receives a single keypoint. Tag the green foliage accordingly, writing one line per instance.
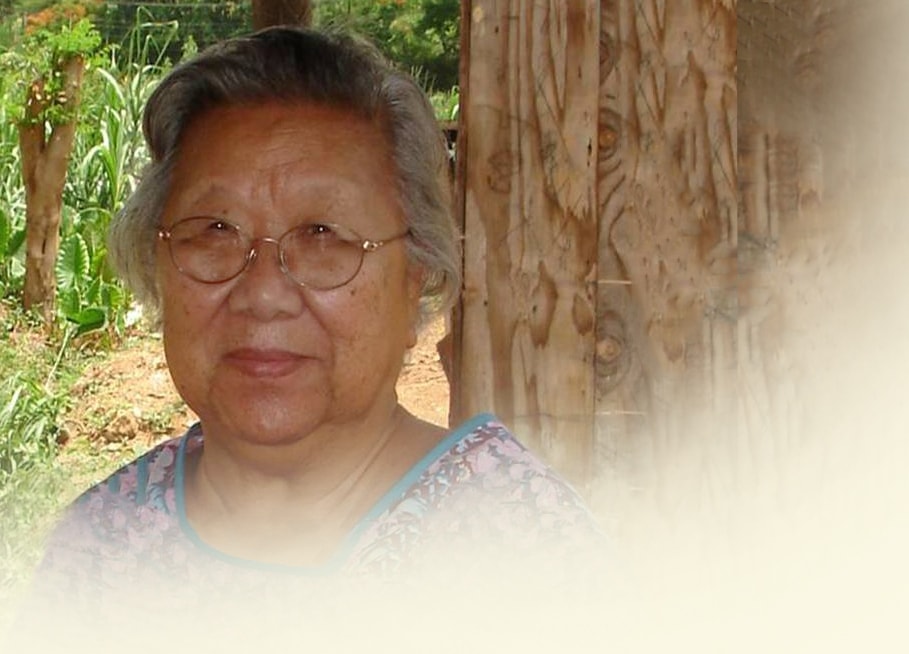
(446, 104)
(106, 161)
(27, 423)
(40, 55)
(33, 391)
(29, 403)
(79, 286)
(29, 504)
(66, 40)
(107, 156)
(420, 35)
(196, 24)
(12, 210)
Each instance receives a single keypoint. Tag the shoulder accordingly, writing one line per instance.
(485, 453)
(118, 519)
(495, 482)
(146, 481)
(491, 508)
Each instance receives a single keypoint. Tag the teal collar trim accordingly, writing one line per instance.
(393, 494)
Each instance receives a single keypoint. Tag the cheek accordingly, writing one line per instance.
(183, 300)
(361, 317)
(177, 312)
(189, 329)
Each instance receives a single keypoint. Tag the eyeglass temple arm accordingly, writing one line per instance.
(372, 246)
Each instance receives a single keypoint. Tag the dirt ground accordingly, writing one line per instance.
(128, 399)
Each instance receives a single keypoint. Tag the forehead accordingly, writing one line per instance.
(312, 125)
(278, 137)
(282, 158)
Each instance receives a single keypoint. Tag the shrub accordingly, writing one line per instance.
(108, 154)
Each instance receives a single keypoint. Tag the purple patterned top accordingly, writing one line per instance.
(477, 491)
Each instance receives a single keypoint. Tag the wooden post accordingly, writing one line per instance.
(667, 285)
(266, 13)
(530, 216)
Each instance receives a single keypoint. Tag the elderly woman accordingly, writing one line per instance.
(292, 233)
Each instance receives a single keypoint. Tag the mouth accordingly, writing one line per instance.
(264, 363)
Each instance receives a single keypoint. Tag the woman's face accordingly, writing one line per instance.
(260, 358)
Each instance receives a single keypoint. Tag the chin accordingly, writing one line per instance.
(264, 422)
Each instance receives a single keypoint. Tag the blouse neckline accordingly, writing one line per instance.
(194, 438)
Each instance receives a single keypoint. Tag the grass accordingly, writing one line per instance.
(36, 376)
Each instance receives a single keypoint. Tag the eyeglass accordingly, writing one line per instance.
(320, 256)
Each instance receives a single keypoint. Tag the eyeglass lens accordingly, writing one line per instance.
(317, 255)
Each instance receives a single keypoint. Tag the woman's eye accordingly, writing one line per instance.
(320, 230)
(212, 231)
(220, 226)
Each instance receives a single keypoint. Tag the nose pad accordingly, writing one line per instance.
(254, 252)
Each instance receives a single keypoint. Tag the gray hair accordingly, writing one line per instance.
(298, 65)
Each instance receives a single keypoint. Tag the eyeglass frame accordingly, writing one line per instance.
(362, 245)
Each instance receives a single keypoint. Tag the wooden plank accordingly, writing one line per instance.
(667, 287)
(530, 216)
(451, 349)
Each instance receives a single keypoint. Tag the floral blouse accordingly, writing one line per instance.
(478, 496)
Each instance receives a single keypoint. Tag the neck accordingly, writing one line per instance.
(293, 505)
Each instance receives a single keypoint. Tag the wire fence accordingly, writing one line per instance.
(220, 19)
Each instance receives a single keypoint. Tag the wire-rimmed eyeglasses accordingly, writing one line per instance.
(320, 256)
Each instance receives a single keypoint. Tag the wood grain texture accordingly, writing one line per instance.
(667, 287)
(530, 217)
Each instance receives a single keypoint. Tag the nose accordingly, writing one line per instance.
(263, 290)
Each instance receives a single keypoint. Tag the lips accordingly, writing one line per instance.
(265, 363)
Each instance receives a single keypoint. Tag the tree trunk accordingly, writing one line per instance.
(267, 13)
(44, 164)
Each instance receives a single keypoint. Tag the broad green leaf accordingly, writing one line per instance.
(15, 242)
(89, 319)
(114, 298)
(99, 258)
(69, 302)
(93, 292)
(73, 262)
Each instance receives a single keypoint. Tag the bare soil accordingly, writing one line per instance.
(127, 401)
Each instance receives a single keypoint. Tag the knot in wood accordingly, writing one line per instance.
(609, 349)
